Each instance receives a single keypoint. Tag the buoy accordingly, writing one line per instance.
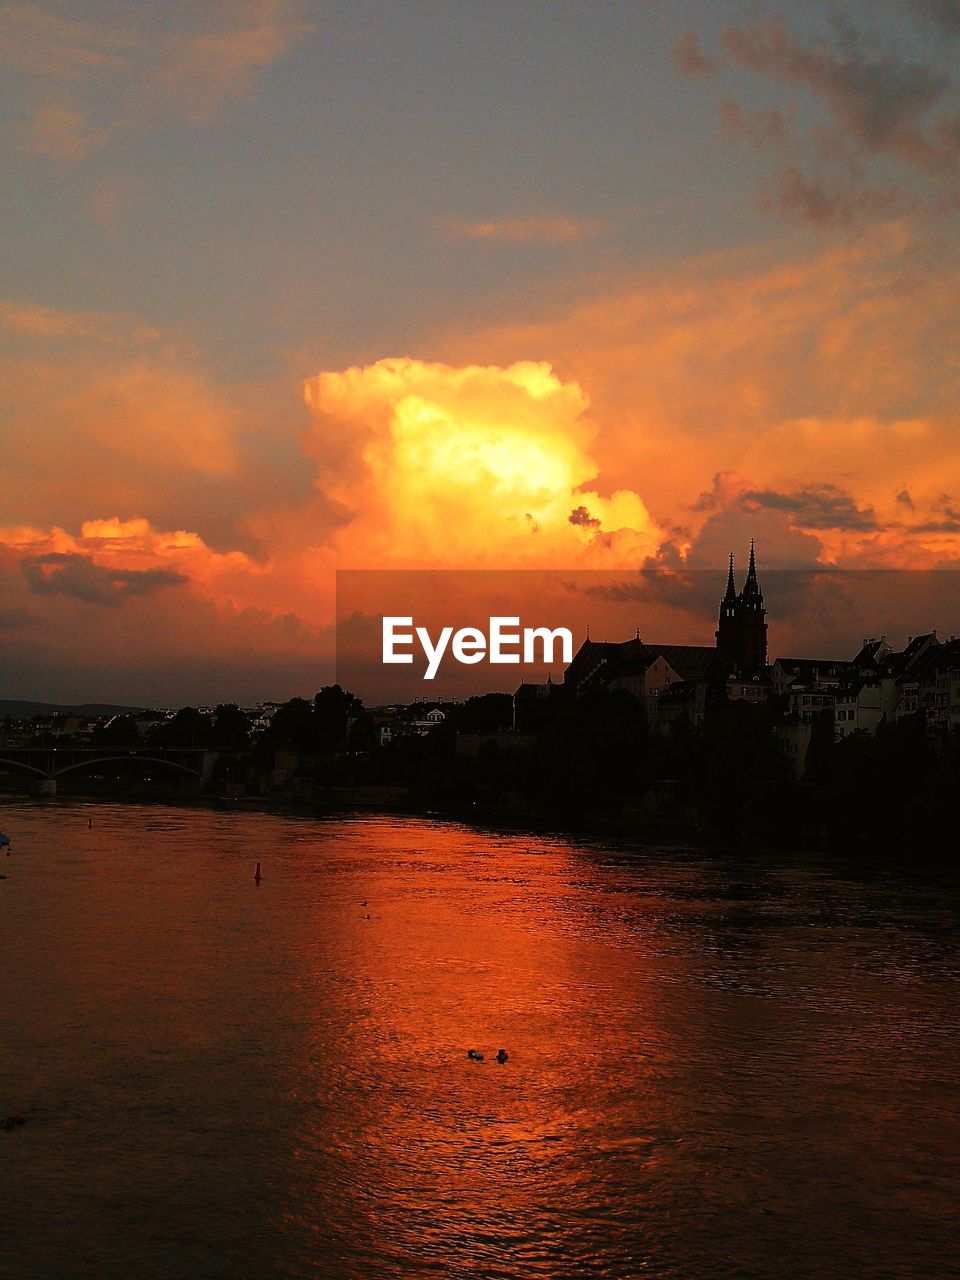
(256, 875)
(501, 1056)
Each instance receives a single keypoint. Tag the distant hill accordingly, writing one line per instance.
(18, 710)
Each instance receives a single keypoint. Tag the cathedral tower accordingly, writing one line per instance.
(742, 629)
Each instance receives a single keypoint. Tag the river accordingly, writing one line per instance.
(719, 1065)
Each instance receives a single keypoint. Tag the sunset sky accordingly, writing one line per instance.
(292, 287)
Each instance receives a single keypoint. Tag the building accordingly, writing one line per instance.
(937, 679)
(421, 716)
(879, 685)
(533, 705)
(858, 706)
(650, 672)
(673, 681)
(742, 628)
(808, 673)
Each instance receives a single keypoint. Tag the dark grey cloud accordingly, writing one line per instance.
(59, 573)
(903, 497)
(694, 592)
(882, 102)
(581, 516)
(946, 519)
(887, 138)
(877, 98)
(827, 202)
(780, 544)
(822, 506)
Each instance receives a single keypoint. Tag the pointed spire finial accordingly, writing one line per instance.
(731, 593)
(751, 590)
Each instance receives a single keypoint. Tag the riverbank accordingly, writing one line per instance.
(626, 831)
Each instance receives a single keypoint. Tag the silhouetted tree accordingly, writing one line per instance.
(332, 708)
(292, 725)
(231, 729)
(188, 728)
(485, 713)
(119, 734)
(362, 733)
(313, 728)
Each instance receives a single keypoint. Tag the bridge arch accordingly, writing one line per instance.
(20, 764)
(86, 764)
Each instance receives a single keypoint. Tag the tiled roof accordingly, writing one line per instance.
(634, 657)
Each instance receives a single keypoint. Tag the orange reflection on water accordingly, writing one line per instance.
(473, 942)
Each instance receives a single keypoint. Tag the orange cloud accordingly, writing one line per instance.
(125, 610)
(830, 367)
(201, 72)
(102, 412)
(60, 133)
(466, 465)
(540, 230)
(83, 82)
(35, 321)
(136, 546)
(43, 44)
(180, 421)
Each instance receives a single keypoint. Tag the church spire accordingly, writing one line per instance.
(731, 593)
(742, 629)
(751, 589)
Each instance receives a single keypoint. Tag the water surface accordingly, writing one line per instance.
(719, 1065)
